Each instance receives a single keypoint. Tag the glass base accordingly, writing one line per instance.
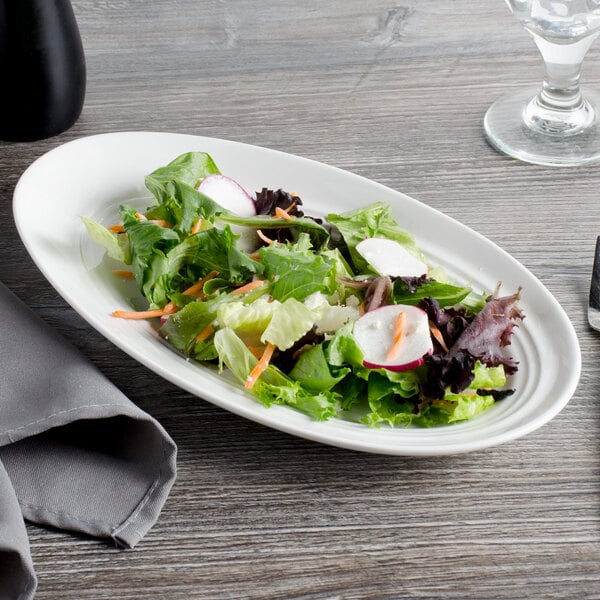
(507, 132)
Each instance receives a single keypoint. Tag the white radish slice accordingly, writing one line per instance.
(388, 257)
(374, 333)
(231, 195)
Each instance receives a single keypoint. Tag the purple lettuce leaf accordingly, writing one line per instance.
(469, 339)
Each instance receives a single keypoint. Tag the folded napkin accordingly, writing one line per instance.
(75, 453)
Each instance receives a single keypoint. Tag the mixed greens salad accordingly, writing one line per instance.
(335, 317)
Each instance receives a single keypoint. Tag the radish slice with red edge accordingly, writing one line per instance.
(374, 333)
(229, 194)
(388, 257)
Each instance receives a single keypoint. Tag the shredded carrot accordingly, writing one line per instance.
(398, 334)
(138, 314)
(124, 274)
(261, 365)
(248, 287)
(264, 238)
(196, 227)
(437, 334)
(161, 222)
(168, 309)
(141, 217)
(196, 289)
(282, 214)
(205, 333)
(256, 351)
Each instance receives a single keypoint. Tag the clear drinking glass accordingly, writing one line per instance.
(558, 125)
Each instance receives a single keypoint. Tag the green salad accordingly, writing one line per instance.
(339, 316)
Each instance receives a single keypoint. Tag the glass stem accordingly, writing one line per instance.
(559, 109)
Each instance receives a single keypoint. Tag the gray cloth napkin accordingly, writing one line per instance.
(75, 453)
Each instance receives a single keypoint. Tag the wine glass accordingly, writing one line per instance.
(557, 125)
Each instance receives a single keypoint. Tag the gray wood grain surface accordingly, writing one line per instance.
(395, 92)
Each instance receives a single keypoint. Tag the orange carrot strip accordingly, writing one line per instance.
(138, 314)
(168, 309)
(437, 334)
(196, 227)
(261, 365)
(264, 238)
(398, 334)
(124, 274)
(116, 228)
(205, 333)
(248, 287)
(281, 214)
(196, 289)
(256, 351)
(161, 222)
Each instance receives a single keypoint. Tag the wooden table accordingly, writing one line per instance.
(397, 93)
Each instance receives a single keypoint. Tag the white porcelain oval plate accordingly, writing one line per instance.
(92, 176)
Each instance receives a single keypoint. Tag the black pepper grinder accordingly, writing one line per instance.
(42, 66)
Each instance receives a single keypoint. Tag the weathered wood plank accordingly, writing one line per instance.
(396, 93)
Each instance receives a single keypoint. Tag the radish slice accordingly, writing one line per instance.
(229, 194)
(388, 257)
(374, 333)
(232, 196)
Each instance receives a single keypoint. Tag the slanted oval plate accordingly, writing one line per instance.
(92, 176)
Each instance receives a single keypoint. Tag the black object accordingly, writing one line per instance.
(42, 65)
(594, 302)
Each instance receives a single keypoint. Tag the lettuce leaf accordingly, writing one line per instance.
(247, 318)
(234, 354)
(297, 273)
(164, 266)
(487, 377)
(181, 328)
(189, 168)
(452, 409)
(272, 387)
(445, 293)
(392, 397)
(490, 331)
(289, 322)
(317, 233)
(342, 350)
(283, 390)
(312, 370)
(116, 245)
(373, 221)
(182, 205)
